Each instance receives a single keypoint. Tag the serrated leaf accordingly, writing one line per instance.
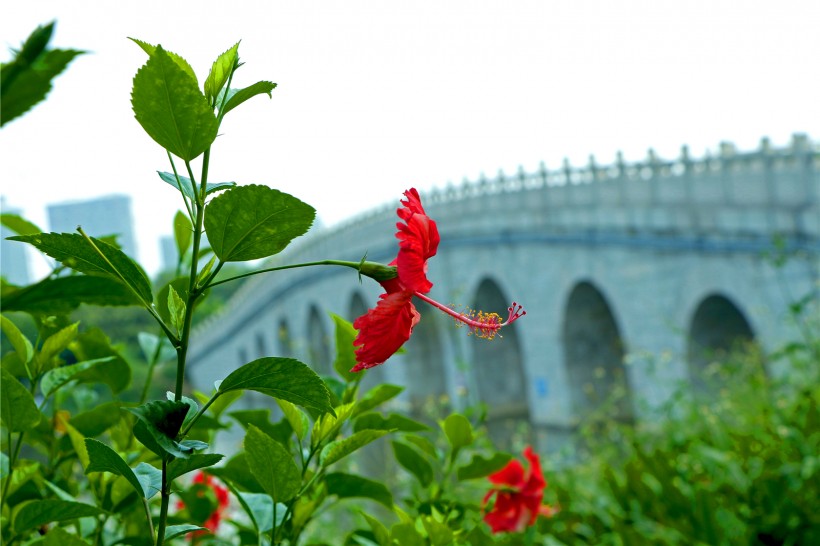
(282, 378)
(380, 532)
(413, 462)
(22, 346)
(18, 224)
(180, 467)
(182, 63)
(272, 465)
(260, 418)
(347, 486)
(187, 187)
(32, 81)
(163, 420)
(176, 308)
(480, 466)
(237, 97)
(39, 512)
(57, 378)
(183, 232)
(72, 250)
(345, 353)
(170, 107)
(97, 420)
(253, 222)
(193, 407)
(206, 270)
(259, 506)
(104, 459)
(394, 421)
(17, 407)
(376, 397)
(220, 71)
(61, 295)
(338, 449)
(174, 531)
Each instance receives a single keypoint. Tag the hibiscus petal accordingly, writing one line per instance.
(419, 241)
(384, 329)
(511, 475)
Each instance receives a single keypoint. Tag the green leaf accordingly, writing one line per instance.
(61, 295)
(236, 471)
(22, 346)
(54, 344)
(480, 467)
(380, 532)
(193, 407)
(272, 465)
(459, 431)
(162, 420)
(104, 459)
(182, 63)
(150, 478)
(298, 420)
(260, 418)
(180, 467)
(282, 378)
(345, 353)
(57, 378)
(26, 79)
(253, 222)
(72, 250)
(376, 397)
(58, 536)
(187, 187)
(414, 463)
(183, 232)
(176, 308)
(439, 533)
(171, 108)
(148, 343)
(237, 97)
(39, 512)
(17, 407)
(347, 486)
(338, 449)
(92, 345)
(174, 531)
(220, 71)
(406, 535)
(259, 506)
(18, 224)
(394, 421)
(97, 420)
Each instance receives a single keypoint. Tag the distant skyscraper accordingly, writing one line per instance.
(168, 253)
(13, 255)
(109, 215)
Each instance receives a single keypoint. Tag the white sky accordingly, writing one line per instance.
(375, 97)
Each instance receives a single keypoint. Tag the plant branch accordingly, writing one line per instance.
(354, 265)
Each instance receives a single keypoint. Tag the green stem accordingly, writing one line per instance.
(12, 459)
(163, 510)
(147, 508)
(179, 183)
(199, 414)
(354, 265)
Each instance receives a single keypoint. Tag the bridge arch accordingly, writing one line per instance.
(426, 365)
(499, 372)
(319, 355)
(284, 340)
(717, 328)
(594, 354)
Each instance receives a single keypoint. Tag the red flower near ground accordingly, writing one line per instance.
(222, 499)
(518, 495)
(385, 328)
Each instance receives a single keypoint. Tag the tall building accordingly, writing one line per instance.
(108, 215)
(13, 255)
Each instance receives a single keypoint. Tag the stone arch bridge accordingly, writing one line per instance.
(631, 274)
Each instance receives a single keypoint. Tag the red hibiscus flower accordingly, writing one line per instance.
(385, 328)
(518, 495)
(222, 499)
